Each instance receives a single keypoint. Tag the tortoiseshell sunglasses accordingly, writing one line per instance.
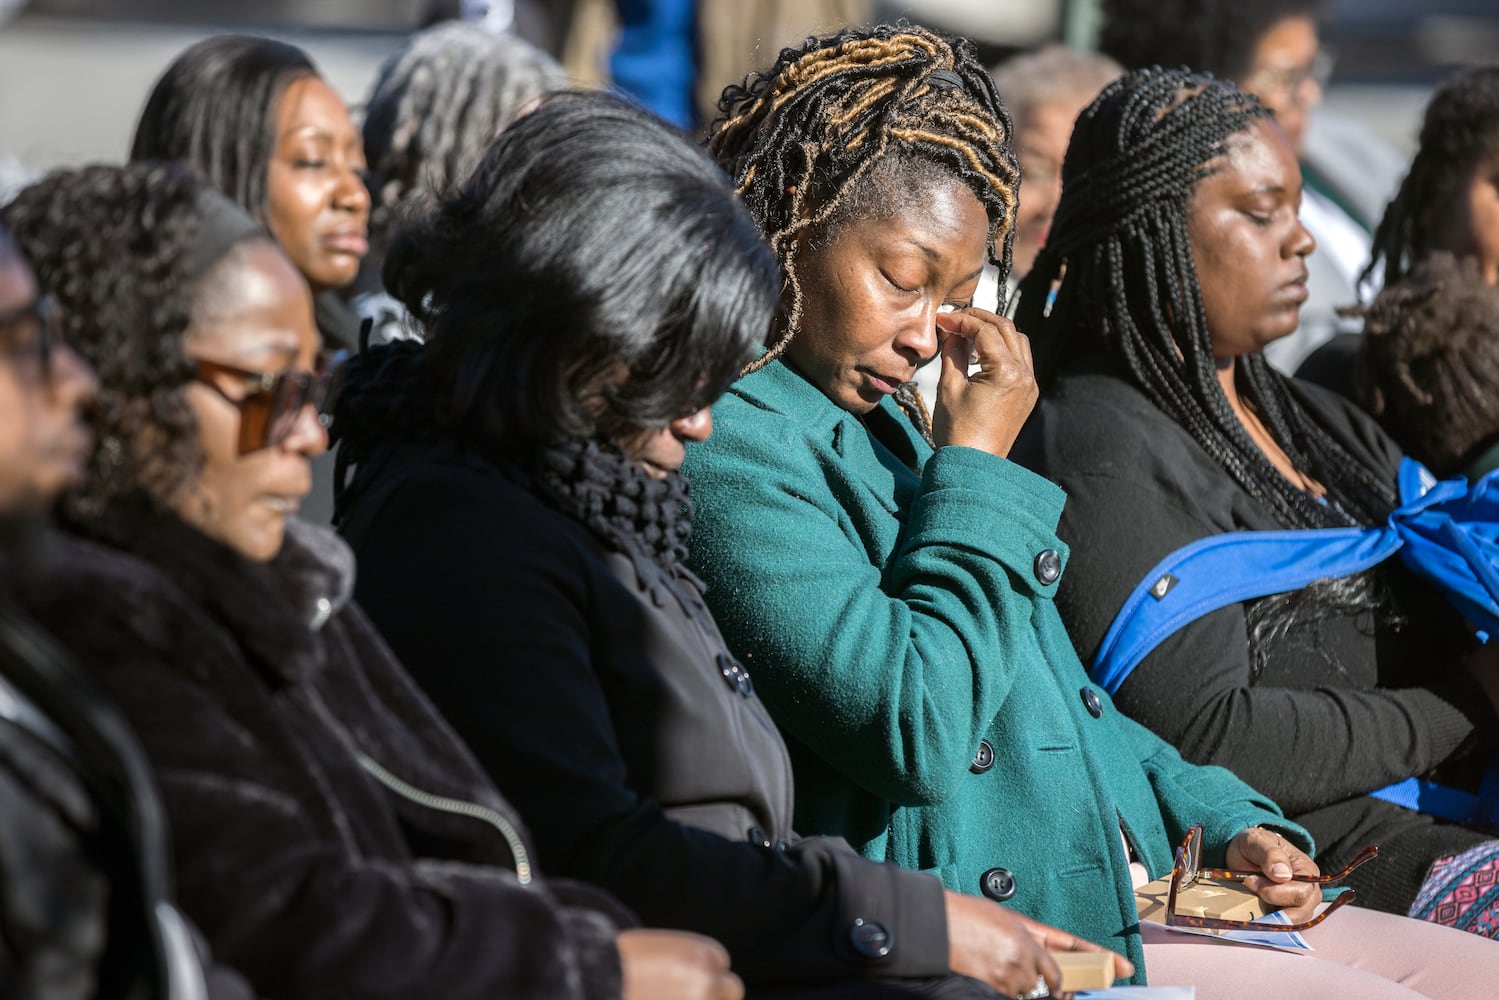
(1188, 869)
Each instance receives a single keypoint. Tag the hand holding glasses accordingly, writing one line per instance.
(1188, 869)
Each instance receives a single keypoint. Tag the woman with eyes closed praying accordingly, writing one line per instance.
(331, 836)
(1177, 257)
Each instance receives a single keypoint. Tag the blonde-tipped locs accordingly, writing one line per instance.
(799, 138)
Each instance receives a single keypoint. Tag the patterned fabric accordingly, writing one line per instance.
(1462, 891)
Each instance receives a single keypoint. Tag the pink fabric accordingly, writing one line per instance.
(1462, 891)
(1359, 953)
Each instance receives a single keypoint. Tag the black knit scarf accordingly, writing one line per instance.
(647, 519)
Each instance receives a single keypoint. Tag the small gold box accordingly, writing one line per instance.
(1203, 898)
(1085, 970)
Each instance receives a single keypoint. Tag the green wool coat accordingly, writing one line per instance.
(894, 621)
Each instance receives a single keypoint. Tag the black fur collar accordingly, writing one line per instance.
(272, 610)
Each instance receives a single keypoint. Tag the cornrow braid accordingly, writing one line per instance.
(1460, 128)
(1120, 275)
(800, 138)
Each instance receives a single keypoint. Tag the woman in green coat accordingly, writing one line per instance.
(894, 603)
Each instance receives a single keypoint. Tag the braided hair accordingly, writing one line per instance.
(438, 103)
(1460, 129)
(1117, 283)
(827, 133)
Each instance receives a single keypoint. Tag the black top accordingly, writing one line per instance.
(1332, 705)
(1334, 365)
(336, 321)
(582, 667)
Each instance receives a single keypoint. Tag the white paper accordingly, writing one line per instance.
(1288, 940)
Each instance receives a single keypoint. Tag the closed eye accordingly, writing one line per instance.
(898, 286)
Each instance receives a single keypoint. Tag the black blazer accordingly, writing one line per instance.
(602, 699)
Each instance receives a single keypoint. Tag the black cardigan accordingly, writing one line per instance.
(1337, 707)
(599, 694)
(304, 870)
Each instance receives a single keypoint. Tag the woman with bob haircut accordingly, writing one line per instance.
(522, 532)
(331, 835)
(1177, 255)
(253, 116)
(895, 601)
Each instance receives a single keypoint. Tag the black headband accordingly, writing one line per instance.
(222, 226)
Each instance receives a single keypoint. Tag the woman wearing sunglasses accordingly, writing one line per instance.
(332, 836)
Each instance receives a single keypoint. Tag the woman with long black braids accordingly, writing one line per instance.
(1176, 257)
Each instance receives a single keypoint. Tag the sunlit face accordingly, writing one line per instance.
(44, 443)
(262, 322)
(317, 206)
(1469, 223)
(1041, 144)
(1248, 244)
(1284, 74)
(873, 290)
(661, 451)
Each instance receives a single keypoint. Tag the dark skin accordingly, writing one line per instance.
(44, 441)
(1282, 73)
(317, 206)
(877, 292)
(1250, 250)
